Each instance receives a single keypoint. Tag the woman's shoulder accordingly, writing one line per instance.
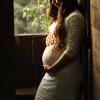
(74, 14)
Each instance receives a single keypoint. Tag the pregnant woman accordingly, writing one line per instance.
(61, 57)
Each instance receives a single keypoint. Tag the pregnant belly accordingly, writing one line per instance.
(50, 55)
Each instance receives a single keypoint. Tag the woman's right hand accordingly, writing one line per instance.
(50, 39)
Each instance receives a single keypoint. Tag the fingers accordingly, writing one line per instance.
(54, 38)
(50, 39)
(46, 67)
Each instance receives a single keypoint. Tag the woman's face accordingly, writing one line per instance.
(56, 2)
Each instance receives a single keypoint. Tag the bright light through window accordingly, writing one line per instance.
(30, 16)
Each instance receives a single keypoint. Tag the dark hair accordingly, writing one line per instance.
(66, 7)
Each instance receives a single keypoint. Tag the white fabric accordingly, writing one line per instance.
(64, 85)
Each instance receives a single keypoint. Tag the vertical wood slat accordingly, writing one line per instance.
(95, 27)
(28, 60)
(23, 61)
(37, 50)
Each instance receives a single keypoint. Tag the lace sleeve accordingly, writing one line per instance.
(75, 33)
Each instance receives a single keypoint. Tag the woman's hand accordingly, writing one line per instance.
(50, 39)
(46, 67)
(63, 61)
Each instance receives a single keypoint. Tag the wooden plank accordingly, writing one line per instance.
(92, 2)
(26, 91)
(95, 4)
(96, 48)
(95, 18)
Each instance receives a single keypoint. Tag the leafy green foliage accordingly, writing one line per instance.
(20, 24)
(22, 2)
(36, 14)
(30, 16)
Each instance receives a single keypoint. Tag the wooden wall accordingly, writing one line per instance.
(7, 79)
(95, 28)
(28, 62)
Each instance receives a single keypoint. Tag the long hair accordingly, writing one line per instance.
(59, 14)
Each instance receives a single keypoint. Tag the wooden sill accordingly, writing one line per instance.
(26, 91)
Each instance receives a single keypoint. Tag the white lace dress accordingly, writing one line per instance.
(64, 85)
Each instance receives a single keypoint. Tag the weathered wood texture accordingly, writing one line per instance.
(28, 59)
(95, 26)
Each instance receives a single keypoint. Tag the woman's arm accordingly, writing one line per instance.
(59, 64)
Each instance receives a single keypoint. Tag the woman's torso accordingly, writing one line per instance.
(52, 52)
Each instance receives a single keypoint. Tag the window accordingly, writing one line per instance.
(30, 16)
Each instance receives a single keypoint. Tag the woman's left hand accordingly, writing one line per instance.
(46, 67)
